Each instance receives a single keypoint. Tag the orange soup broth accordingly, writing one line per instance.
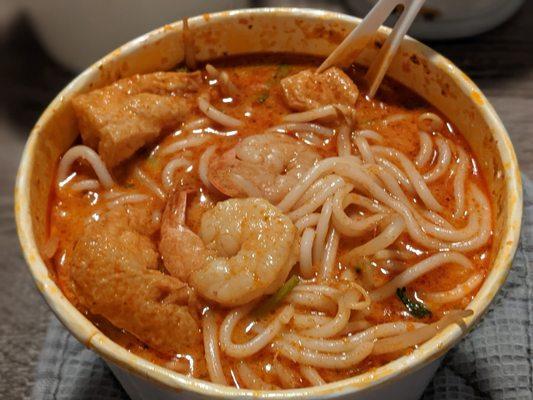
(260, 105)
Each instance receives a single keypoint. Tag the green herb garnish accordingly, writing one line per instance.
(152, 164)
(415, 307)
(129, 185)
(282, 71)
(275, 300)
(263, 96)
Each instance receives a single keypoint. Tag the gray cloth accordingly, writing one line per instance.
(492, 362)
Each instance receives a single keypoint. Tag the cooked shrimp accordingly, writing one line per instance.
(245, 249)
(114, 271)
(307, 90)
(266, 165)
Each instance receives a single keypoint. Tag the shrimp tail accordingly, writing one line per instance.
(175, 210)
(176, 236)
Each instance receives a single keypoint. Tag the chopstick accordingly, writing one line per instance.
(357, 40)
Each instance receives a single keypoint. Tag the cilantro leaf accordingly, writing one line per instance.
(415, 307)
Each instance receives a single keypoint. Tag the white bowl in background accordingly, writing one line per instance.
(76, 33)
(304, 31)
(452, 19)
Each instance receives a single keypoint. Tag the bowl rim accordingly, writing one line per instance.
(90, 336)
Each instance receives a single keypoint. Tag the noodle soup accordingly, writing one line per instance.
(255, 224)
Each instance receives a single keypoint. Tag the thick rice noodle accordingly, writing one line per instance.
(374, 246)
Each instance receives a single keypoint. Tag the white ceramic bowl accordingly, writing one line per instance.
(273, 30)
(77, 33)
(452, 19)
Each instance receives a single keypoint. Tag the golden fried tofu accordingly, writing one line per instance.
(115, 275)
(307, 90)
(119, 119)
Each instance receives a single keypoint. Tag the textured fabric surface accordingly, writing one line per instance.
(493, 362)
(68, 370)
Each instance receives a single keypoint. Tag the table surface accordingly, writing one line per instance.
(500, 62)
